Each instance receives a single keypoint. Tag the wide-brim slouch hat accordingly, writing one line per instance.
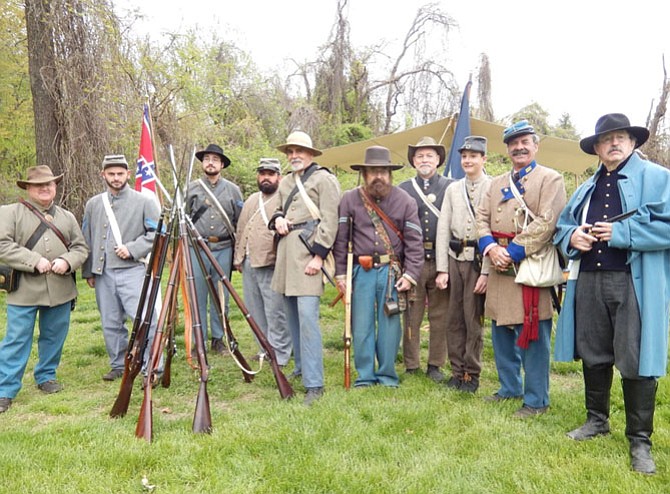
(377, 157)
(214, 149)
(300, 139)
(38, 175)
(427, 142)
(609, 123)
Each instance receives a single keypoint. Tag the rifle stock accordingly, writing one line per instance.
(219, 305)
(139, 335)
(202, 418)
(144, 427)
(347, 306)
(285, 389)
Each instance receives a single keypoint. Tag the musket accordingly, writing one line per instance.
(223, 318)
(144, 427)
(347, 304)
(168, 337)
(202, 418)
(285, 389)
(139, 336)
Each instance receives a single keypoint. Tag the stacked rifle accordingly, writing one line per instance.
(175, 225)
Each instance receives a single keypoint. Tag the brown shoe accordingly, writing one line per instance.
(113, 375)
(525, 412)
(50, 387)
(5, 403)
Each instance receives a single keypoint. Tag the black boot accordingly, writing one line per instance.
(639, 396)
(597, 385)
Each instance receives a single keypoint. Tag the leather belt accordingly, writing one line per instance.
(375, 261)
(214, 239)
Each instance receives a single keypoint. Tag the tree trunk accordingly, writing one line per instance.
(41, 66)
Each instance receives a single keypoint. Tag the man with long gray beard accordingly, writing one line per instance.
(255, 259)
(306, 221)
(388, 256)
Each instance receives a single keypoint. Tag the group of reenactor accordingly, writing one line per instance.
(432, 244)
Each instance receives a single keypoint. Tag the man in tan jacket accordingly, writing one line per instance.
(307, 222)
(513, 308)
(46, 286)
(255, 259)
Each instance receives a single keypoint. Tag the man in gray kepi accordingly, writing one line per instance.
(114, 267)
(255, 257)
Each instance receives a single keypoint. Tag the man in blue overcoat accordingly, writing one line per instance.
(615, 231)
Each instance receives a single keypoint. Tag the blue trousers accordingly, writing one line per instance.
(376, 336)
(535, 362)
(54, 323)
(302, 316)
(224, 258)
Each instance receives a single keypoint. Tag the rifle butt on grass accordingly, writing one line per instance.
(139, 336)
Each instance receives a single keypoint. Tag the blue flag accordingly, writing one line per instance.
(453, 167)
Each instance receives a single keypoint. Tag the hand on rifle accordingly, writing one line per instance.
(282, 226)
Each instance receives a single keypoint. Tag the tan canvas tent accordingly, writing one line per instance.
(560, 154)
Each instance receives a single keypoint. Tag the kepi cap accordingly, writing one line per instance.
(474, 143)
(114, 160)
(271, 164)
(520, 128)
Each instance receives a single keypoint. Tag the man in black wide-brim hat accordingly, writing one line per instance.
(616, 307)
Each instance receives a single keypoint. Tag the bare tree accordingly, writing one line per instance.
(657, 148)
(485, 110)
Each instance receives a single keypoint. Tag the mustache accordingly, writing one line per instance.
(614, 149)
(520, 152)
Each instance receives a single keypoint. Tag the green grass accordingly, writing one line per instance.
(419, 438)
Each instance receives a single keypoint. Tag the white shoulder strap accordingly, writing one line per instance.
(425, 200)
(116, 232)
(313, 210)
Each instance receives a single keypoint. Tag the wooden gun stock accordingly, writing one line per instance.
(202, 418)
(144, 427)
(347, 306)
(285, 389)
(145, 309)
(218, 301)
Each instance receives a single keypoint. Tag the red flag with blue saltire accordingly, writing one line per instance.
(462, 130)
(145, 178)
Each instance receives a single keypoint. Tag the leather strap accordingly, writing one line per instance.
(46, 223)
(371, 203)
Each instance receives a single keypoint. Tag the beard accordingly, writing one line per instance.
(268, 187)
(378, 188)
(115, 186)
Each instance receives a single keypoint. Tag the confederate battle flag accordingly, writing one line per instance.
(145, 180)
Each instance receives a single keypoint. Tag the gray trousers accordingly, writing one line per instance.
(607, 320)
(117, 292)
(267, 308)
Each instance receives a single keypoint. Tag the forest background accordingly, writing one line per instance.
(74, 77)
